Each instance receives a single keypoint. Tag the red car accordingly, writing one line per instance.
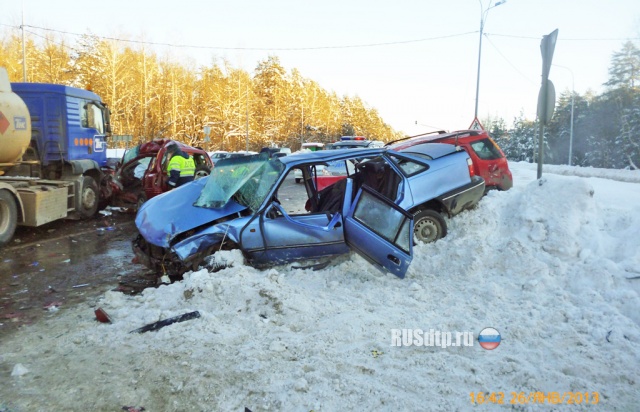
(489, 161)
(142, 172)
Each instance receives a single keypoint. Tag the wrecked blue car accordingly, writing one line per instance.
(380, 205)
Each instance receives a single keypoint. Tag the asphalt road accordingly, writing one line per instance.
(46, 269)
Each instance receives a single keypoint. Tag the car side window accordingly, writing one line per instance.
(199, 159)
(409, 167)
(294, 198)
(377, 173)
(339, 168)
(387, 222)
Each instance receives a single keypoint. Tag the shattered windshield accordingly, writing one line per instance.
(248, 180)
(130, 154)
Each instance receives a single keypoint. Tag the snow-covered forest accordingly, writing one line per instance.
(606, 127)
(155, 96)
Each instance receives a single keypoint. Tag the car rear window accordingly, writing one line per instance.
(486, 149)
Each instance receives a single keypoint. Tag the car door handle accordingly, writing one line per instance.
(393, 259)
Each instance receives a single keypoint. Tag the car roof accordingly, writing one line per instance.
(156, 145)
(462, 135)
(434, 150)
(327, 155)
(352, 143)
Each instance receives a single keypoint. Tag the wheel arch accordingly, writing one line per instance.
(433, 204)
(16, 197)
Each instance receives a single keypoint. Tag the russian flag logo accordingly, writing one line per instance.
(489, 338)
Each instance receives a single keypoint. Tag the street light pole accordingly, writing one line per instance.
(426, 125)
(247, 120)
(483, 19)
(573, 94)
(24, 54)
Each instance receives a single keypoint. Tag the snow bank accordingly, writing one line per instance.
(547, 264)
(622, 175)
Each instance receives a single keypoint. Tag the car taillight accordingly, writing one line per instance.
(470, 164)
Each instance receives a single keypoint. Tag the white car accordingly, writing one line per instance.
(217, 155)
(297, 173)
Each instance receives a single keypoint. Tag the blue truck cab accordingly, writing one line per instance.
(69, 132)
(67, 123)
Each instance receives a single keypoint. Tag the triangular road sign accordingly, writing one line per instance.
(476, 125)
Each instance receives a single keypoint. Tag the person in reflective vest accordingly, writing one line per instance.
(181, 169)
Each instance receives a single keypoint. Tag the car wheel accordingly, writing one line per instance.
(298, 180)
(8, 216)
(201, 171)
(142, 197)
(89, 197)
(429, 226)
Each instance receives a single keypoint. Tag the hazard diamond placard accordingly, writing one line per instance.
(4, 123)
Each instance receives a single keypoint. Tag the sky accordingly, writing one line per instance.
(553, 267)
(415, 61)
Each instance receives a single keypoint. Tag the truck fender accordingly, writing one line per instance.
(16, 196)
(11, 212)
(81, 166)
(87, 178)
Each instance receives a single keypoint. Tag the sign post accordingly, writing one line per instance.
(547, 95)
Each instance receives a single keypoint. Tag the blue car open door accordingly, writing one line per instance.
(380, 231)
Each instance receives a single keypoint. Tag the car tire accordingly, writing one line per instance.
(298, 180)
(89, 197)
(201, 171)
(142, 197)
(8, 216)
(429, 226)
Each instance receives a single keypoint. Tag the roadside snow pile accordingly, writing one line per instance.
(541, 263)
(631, 176)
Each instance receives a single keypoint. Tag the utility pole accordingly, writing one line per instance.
(247, 109)
(24, 54)
(483, 19)
(573, 94)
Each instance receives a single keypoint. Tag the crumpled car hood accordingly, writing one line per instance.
(165, 216)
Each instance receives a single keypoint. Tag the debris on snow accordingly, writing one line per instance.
(166, 322)
(19, 370)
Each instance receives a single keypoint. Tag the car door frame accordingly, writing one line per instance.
(279, 237)
(369, 243)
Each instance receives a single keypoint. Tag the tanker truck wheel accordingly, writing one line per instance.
(8, 216)
(89, 197)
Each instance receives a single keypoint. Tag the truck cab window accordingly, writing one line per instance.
(92, 117)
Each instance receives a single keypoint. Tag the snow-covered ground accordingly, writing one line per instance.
(554, 267)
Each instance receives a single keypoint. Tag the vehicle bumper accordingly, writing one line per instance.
(464, 197)
(156, 258)
(507, 182)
